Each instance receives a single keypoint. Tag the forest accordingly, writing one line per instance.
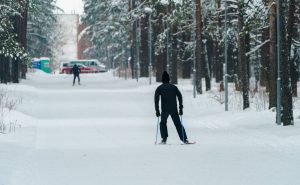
(231, 41)
(226, 41)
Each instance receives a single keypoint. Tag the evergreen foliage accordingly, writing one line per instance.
(40, 33)
(9, 46)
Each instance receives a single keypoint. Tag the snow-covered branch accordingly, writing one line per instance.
(257, 48)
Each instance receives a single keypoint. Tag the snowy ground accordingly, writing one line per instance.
(103, 132)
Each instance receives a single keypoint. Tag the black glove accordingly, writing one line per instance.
(157, 113)
(180, 112)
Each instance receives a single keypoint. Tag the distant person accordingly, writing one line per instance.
(76, 72)
(169, 94)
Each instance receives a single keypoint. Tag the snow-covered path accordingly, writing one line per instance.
(103, 132)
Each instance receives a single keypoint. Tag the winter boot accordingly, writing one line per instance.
(163, 141)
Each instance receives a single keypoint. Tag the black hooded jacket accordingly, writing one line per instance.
(76, 70)
(168, 94)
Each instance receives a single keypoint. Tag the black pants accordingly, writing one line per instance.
(177, 123)
(76, 76)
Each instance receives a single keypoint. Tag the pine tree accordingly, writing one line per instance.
(273, 78)
(198, 46)
(12, 45)
(291, 31)
(243, 73)
(107, 26)
(287, 101)
(40, 33)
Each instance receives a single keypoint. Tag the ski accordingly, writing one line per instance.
(189, 143)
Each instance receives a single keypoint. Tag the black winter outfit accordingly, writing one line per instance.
(169, 94)
(76, 72)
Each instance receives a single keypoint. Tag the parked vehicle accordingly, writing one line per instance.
(93, 63)
(99, 67)
(67, 68)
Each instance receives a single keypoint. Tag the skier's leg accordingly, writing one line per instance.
(163, 126)
(78, 79)
(179, 127)
(74, 78)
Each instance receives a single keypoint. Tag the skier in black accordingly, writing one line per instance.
(168, 94)
(76, 72)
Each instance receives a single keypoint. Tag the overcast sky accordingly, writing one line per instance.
(71, 6)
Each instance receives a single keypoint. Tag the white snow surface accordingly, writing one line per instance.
(103, 132)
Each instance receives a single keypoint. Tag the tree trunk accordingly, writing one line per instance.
(218, 65)
(186, 56)
(174, 55)
(130, 40)
(19, 66)
(24, 39)
(290, 35)
(198, 48)
(16, 62)
(134, 44)
(161, 59)
(210, 48)
(272, 72)
(247, 49)
(144, 55)
(287, 101)
(1, 68)
(242, 56)
(206, 67)
(5, 69)
(265, 60)
(15, 70)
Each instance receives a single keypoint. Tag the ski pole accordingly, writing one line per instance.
(157, 130)
(181, 121)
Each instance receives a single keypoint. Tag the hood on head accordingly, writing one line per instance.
(165, 77)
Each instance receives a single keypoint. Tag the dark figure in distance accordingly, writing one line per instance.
(169, 94)
(76, 72)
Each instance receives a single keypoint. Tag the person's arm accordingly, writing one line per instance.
(179, 96)
(156, 100)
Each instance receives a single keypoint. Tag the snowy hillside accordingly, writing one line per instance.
(103, 132)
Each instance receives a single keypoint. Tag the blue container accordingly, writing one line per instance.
(36, 64)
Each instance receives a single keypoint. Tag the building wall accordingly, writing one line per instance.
(83, 42)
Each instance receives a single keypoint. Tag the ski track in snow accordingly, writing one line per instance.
(103, 132)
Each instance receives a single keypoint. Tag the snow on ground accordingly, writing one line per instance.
(103, 132)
